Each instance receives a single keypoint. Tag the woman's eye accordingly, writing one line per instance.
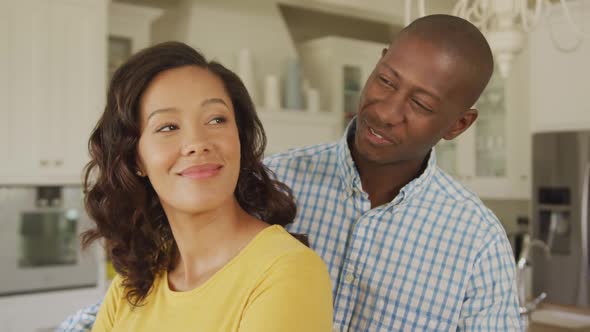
(218, 120)
(167, 128)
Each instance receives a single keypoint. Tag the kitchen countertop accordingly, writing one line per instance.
(539, 327)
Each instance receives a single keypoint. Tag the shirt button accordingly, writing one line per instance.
(349, 278)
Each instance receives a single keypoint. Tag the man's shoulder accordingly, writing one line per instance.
(457, 194)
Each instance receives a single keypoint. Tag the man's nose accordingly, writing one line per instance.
(393, 108)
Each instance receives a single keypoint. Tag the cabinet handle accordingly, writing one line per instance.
(523, 177)
(44, 162)
(59, 163)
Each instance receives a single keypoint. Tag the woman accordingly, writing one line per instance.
(190, 217)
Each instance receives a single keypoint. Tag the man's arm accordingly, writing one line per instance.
(491, 302)
(81, 321)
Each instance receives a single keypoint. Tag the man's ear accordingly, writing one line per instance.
(463, 123)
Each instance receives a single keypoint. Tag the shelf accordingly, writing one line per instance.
(298, 116)
(352, 92)
(554, 207)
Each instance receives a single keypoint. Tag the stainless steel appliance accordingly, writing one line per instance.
(39, 240)
(561, 184)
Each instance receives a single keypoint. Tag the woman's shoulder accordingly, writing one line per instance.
(293, 283)
(275, 248)
(278, 242)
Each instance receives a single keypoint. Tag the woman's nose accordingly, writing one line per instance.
(196, 144)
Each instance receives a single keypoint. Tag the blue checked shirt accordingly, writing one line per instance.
(433, 259)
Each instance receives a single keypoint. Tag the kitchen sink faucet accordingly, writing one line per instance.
(526, 308)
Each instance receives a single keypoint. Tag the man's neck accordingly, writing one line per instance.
(383, 182)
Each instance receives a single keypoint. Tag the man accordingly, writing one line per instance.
(408, 247)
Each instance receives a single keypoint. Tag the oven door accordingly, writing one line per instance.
(40, 248)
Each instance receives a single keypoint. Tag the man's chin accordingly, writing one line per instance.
(380, 156)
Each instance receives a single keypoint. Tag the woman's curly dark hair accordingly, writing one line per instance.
(125, 207)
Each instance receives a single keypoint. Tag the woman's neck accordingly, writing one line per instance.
(207, 241)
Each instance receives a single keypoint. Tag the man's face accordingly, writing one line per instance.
(414, 97)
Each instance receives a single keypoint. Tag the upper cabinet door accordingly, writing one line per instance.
(77, 71)
(17, 79)
(52, 85)
(493, 157)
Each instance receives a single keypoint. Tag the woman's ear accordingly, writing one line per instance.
(140, 170)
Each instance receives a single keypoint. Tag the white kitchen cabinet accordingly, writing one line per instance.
(17, 78)
(493, 157)
(44, 311)
(339, 67)
(558, 78)
(55, 87)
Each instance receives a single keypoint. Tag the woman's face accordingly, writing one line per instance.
(189, 146)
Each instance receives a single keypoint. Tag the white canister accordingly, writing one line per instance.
(272, 93)
(293, 86)
(246, 72)
(313, 100)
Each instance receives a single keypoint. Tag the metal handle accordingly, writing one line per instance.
(44, 162)
(583, 278)
(58, 162)
(532, 306)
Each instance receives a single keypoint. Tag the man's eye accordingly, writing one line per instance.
(385, 80)
(420, 105)
(388, 82)
(167, 128)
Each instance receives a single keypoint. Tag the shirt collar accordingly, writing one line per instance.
(348, 172)
(351, 178)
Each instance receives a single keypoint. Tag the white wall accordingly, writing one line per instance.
(559, 80)
(173, 24)
(133, 22)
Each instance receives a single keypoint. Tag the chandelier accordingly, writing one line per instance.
(505, 23)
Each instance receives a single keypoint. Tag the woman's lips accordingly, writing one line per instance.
(201, 171)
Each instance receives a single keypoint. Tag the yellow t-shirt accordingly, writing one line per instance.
(274, 284)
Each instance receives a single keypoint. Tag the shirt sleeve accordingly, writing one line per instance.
(294, 295)
(81, 321)
(105, 319)
(491, 302)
